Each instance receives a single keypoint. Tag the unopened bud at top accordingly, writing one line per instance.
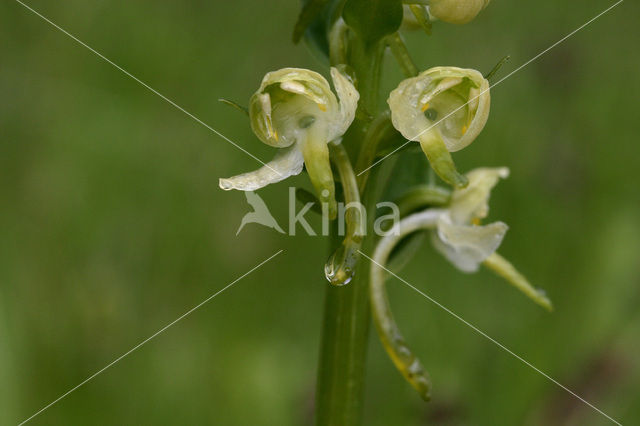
(456, 11)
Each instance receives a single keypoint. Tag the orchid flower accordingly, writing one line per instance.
(467, 244)
(295, 110)
(458, 235)
(445, 109)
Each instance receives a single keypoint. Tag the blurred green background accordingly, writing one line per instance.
(112, 224)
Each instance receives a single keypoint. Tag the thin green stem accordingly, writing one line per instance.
(341, 371)
(341, 265)
(341, 367)
(422, 196)
(400, 52)
(366, 60)
(403, 358)
(377, 131)
(354, 218)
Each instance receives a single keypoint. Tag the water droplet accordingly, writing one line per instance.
(340, 267)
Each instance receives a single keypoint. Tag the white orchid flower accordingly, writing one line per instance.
(467, 244)
(458, 235)
(295, 110)
(445, 109)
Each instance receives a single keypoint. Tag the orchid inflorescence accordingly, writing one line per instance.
(443, 108)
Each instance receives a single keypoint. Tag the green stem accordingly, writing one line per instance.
(366, 60)
(341, 367)
(341, 370)
(422, 196)
(376, 132)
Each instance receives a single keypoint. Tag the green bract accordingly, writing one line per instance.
(456, 11)
(443, 108)
(295, 109)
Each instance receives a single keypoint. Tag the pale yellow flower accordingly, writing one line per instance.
(295, 110)
(445, 109)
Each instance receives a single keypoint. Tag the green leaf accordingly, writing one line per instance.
(373, 19)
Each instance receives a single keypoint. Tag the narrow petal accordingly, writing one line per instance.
(506, 270)
(467, 246)
(471, 202)
(479, 107)
(287, 162)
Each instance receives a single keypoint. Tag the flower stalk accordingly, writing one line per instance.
(346, 318)
(345, 331)
(319, 127)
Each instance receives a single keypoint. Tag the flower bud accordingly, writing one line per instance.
(443, 108)
(456, 11)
